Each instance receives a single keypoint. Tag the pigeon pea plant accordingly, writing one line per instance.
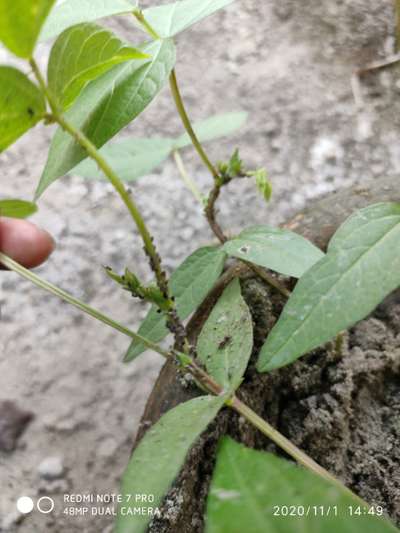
(95, 86)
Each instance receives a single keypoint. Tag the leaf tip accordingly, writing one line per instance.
(38, 192)
(128, 356)
(267, 362)
(134, 350)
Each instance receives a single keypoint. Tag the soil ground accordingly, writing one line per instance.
(289, 65)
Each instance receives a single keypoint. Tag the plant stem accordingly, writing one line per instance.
(262, 425)
(173, 321)
(286, 445)
(189, 363)
(138, 14)
(266, 276)
(178, 99)
(190, 184)
(210, 213)
(279, 439)
(215, 192)
(219, 233)
(187, 124)
(149, 247)
(93, 153)
(53, 289)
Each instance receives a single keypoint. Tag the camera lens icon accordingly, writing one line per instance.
(25, 505)
(44, 505)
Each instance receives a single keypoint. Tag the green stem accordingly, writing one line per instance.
(138, 14)
(149, 247)
(93, 153)
(285, 444)
(49, 287)
(210, 204)
(190, 184)
(178, 99)
(187, 124)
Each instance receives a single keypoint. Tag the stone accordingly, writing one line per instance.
(51, 468)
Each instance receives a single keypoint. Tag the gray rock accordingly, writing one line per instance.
(51, 468)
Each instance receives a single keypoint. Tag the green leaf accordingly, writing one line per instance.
(190, 283)
(263, 183)
(257, 492)
(226, 340)
(170, 19)
(278, 249)
(235, 165)
(130, 158)
(108, 104)
(362, 266)
(81, 54)
(214, 127)
(17, 208)
(72, 12)
(20, 24)
(21, 105)
(159, 457)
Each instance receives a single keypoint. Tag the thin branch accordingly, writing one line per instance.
(286, 445)
(209, 210)
(210, 213)
(53, 289)
(190, 184)
(268, 278)
(187, 124)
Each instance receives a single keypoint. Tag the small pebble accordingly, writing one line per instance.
(51, 468)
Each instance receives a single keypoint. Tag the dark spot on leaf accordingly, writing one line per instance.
(31, 112)
(224, 342)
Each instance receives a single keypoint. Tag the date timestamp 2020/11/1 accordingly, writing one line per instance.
(327, 510)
